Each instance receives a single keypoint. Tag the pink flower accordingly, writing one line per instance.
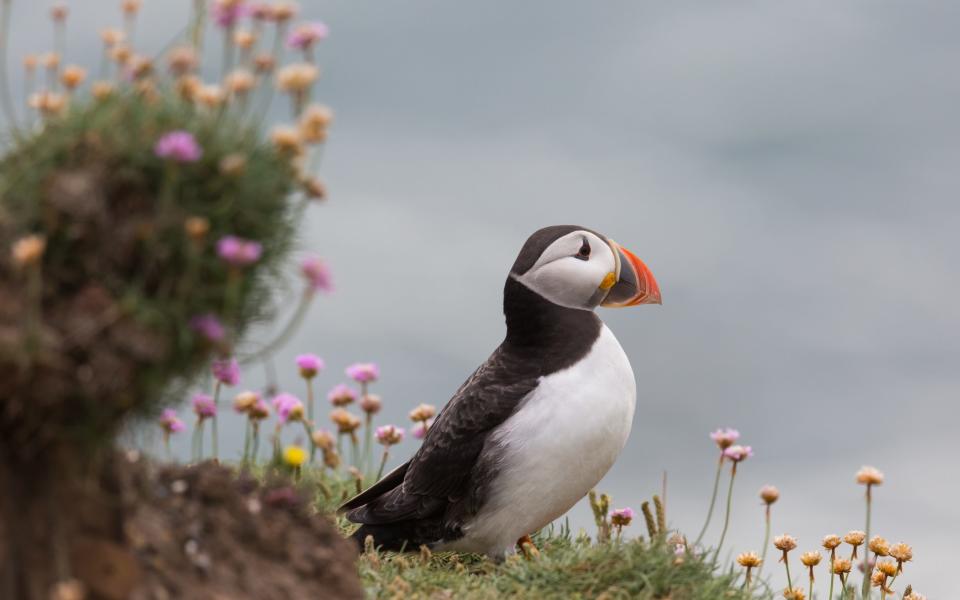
(389, 435)
(261, 11)
(288, 407)
(738, 453)
(227, 12)
(238, 251)
(305, 36)
(226, 371)
(725, 438)
(317, 274)
(204, 406)
(310, 365)
(170, 422)
(419, 430)
(208, 326)
(622, 516)
(179, 146)
(363, 372)
(341, 395)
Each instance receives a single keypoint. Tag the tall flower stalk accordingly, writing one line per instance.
(769, 494)
(387, 435)
(869, 477)
(735, 454)
(785, 543)
(723, 438)
(309, 365)
(831, 542)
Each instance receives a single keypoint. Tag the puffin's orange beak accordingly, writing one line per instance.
(635, 283)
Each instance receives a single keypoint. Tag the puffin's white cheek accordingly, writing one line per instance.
(568, 282)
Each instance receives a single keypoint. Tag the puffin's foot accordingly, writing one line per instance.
(528, 548)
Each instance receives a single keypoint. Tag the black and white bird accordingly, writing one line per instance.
(538, 424)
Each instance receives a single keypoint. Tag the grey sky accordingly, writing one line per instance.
(787, 170)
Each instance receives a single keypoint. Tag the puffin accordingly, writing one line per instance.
(537, 425)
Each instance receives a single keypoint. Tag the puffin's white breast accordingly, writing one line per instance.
(557, 446)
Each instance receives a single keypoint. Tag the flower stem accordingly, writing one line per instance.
(865, 587)
(246, 446)
(313, 447)
(833, 557)
(786, 564)
(213, 425)
(713, 500)
(383, 463)
(256, 441)
(766, 542)
(726, 521)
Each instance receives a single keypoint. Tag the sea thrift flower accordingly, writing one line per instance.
(314, 188)
(28, 250)
(314, 123)
(264, 63)
(226, 371)
(341, 395)
(371, 404)
(297, 78)
(887, 568)
(294, 456)
(130, 7)
(289, 408)
(769, 494)
(196, 228)
(879, 546)
(238, 252)
(245, 401)
(344, 420)
(179, 146)
(749, 560)
(244, 39)
(240, 82)
(72, 76)
(204, 406)
(855, 539)
(621, 517)
(842, 566)
(389, 435)
(281, 12)
(259, 411)
(738, 453)
(724, 438)
(831, 542)
(211, 96)
(59, 12)
(419, 431)
(869, 476)
(170, 422)
(901, 553)
(423, 413)
(317, 274)
(287, 140)
(309, 365)
(208, 326)
(363, 372)
(182, 60)
(322, 439)
(101, 90)
(305, 36)
(226, 13)
(794, 594)
(784, 543)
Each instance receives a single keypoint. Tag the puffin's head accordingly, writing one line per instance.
(578, 268)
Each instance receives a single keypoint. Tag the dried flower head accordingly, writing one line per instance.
(240, 82)
(281, 12)
(831, 542)
(59, 12)
(233, 165)
(28, 250)
(842, 565)
(226, 13)
(322, 439)
(294, 456)
(226, 371)
(178, 146)
(259, 411)
(72, 77)
(48, 104)
(314, 188)
(724, 438)
(121, 53)
(810, 559)
(420, 430)
(901, 553)
(854, 538)
(204, 406)
(389, 435)
(769, 494)
(621, 517)
(30, 62)
(363, 372)
(196, 228)
(211, 96)
(784, 543)
(244, 401)
(371, 404)
(50, 60)
(297, 78)
(345, 421)
(287, 140)
(341, 395)
(244, 39)
(264, 63)
(749, 560)
(101, 90)
(131, 7)
(111, 37)
(309, 365)
(869, 476)
(794, 594)
(314, 123)
(423, 413)
(879, 546)
(331, 459)
(887, 567)
(911, 595)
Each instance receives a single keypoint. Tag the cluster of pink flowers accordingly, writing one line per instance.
(204, 406)
(170, 422)
(288, 407)
(363, 372)
(725, 437)
(389, 435)
(738, 453)
(227, 13)
(226, 371)
(239, 252)
(178, 146)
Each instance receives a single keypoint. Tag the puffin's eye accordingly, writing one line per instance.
(584, 252)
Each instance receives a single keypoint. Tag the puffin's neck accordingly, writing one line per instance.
(553, 336)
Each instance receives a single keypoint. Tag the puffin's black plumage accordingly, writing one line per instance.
(428, 499)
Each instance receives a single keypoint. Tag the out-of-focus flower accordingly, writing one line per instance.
(30, 62)
(914, 596)
(621, 517)
(317, 274)
(388, 435)
(264, 63)
(344, 420)
(179, 146)
(281, 12)
(226, 13)
(724, 438)
(209, 326)
(297, 78)
(50, 61)
(363, 372)
(233, 165)
(314, 188)
(769, 494)
(28, 250)
(289, 408)
(831, 542)
(331, 459)
(749, 560)
(48, 104)
(226, 371)
(245, 401)
(211, 96)
(869, 476)
(196, 228)
(842, 566)
(314, 123)
(240, 82)
(131, 7)
(419, 430)
(72, 76)
(261, 11)
(121, 53)
(59, 11)
(294, 456)
(287, 140)
(309, 365)
(794, 594)
(204, 406)
(784, 543)
(182, 60)
(423, 413)
(322, 439)
(738, 453)
(341, 395)
(371, 404)
(259, 411)
(244, 39)
(101, 90)
(879, 546)
(238, 252)
(170, 422)
(139, 67)
(305, 36)
(111, 37)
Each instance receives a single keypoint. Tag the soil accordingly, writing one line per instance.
(139, 531)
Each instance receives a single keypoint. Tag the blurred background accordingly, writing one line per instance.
(787, 170)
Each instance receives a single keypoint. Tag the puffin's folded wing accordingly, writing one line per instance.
(389, 481)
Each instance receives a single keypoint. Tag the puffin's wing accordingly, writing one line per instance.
(440, 472)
